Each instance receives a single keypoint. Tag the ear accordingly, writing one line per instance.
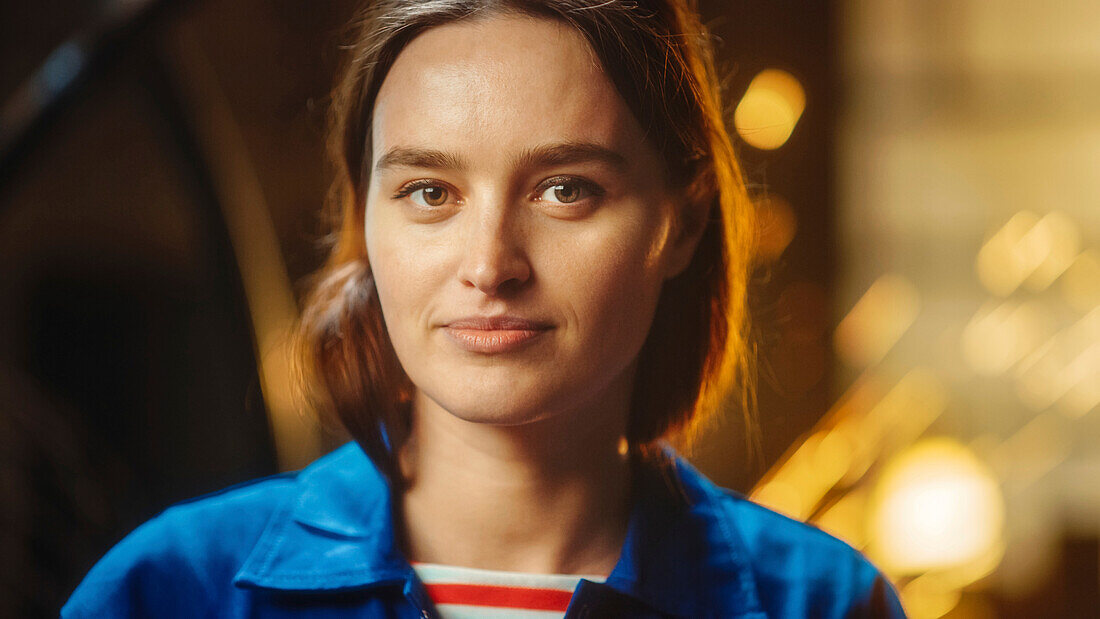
(690, 220)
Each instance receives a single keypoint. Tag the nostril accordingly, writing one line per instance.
(509, 286)
(499, 281)
(495, 261)
(496, 273)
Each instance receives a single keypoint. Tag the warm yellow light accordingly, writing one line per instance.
(832, 457)
(1066, 367)
(936, 507)
(877, 321)
(1084, 373)
(1027, 250)
(782, 497)
(871, 418)
(770, 109)
(907, 409)
(847, 519)
(1000, 335)
(1080, 285)
(999, 267)
(797, 486)
(775, 225)
(807, 474)
(1033, 451)
(925, 597)
(1060, 242)
(255, 242)
(1039, 378)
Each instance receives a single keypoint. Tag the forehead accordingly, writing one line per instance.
(492, 86)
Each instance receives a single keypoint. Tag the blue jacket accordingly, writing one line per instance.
(320, 543)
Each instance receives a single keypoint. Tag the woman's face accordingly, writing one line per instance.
(518, 225)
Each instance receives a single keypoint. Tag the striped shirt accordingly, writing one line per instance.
(465, 593)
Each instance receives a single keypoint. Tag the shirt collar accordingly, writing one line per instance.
(682, 555)
(334, 533)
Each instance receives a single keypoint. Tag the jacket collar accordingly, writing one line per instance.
(682, 555)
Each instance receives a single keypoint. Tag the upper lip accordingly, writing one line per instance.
(497, 323)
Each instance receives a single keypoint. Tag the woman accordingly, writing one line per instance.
(539, 273)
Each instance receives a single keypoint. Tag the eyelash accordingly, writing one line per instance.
(592, 188)
(412, 186)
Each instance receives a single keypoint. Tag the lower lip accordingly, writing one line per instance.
(490, 341)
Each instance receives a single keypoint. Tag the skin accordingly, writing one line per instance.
(514, 459)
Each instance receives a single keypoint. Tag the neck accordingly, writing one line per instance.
(550, 496)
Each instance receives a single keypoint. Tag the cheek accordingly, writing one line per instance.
(616, 280)
(404, 268)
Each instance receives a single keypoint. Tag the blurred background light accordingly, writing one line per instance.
(1080, 284)
(1068, 362)
(770, 109)
(1061, 241)
(877, 321)
(776, 224)
(847, 518)
(1028, 250)
(870, 422)
(907, 410)
(935, 507)
(264, 276)
(781, 496)
(1005, 260)
(1001, 334)
(926, 597)
(1032, 451)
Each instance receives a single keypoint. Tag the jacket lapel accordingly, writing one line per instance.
(682, 556)
(336, 533)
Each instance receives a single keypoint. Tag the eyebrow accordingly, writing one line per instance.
(419, 158)
(569, 152)
(548, 155)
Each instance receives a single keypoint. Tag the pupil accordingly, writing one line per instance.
(434, 195)
(566, 193)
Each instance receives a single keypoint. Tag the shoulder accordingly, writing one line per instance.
(798, 569)
(182, 562)
(178, 563)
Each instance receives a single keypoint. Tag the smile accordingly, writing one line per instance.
(494, 335)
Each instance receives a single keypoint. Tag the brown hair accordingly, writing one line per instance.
(659, 57)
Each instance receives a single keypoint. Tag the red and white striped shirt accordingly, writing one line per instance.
(466, 593)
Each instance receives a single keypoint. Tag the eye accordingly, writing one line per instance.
(429, 196)
(566, 190)
(424, 193)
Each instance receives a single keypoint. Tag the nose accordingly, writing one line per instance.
(495, 261)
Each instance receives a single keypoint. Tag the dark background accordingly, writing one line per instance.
(128, 375)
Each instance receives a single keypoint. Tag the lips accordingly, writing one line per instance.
(494, 335)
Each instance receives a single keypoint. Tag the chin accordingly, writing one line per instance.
(496, 416)
(511, 392)
(496, 398)
(495, 407)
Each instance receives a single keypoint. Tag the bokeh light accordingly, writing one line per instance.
(770, 109)
(1080, 284)
(775, 224)
(1028, 250)
(1001, 334)
(925, 597)
(936, 507)
(877, 321)
(1065, 368)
